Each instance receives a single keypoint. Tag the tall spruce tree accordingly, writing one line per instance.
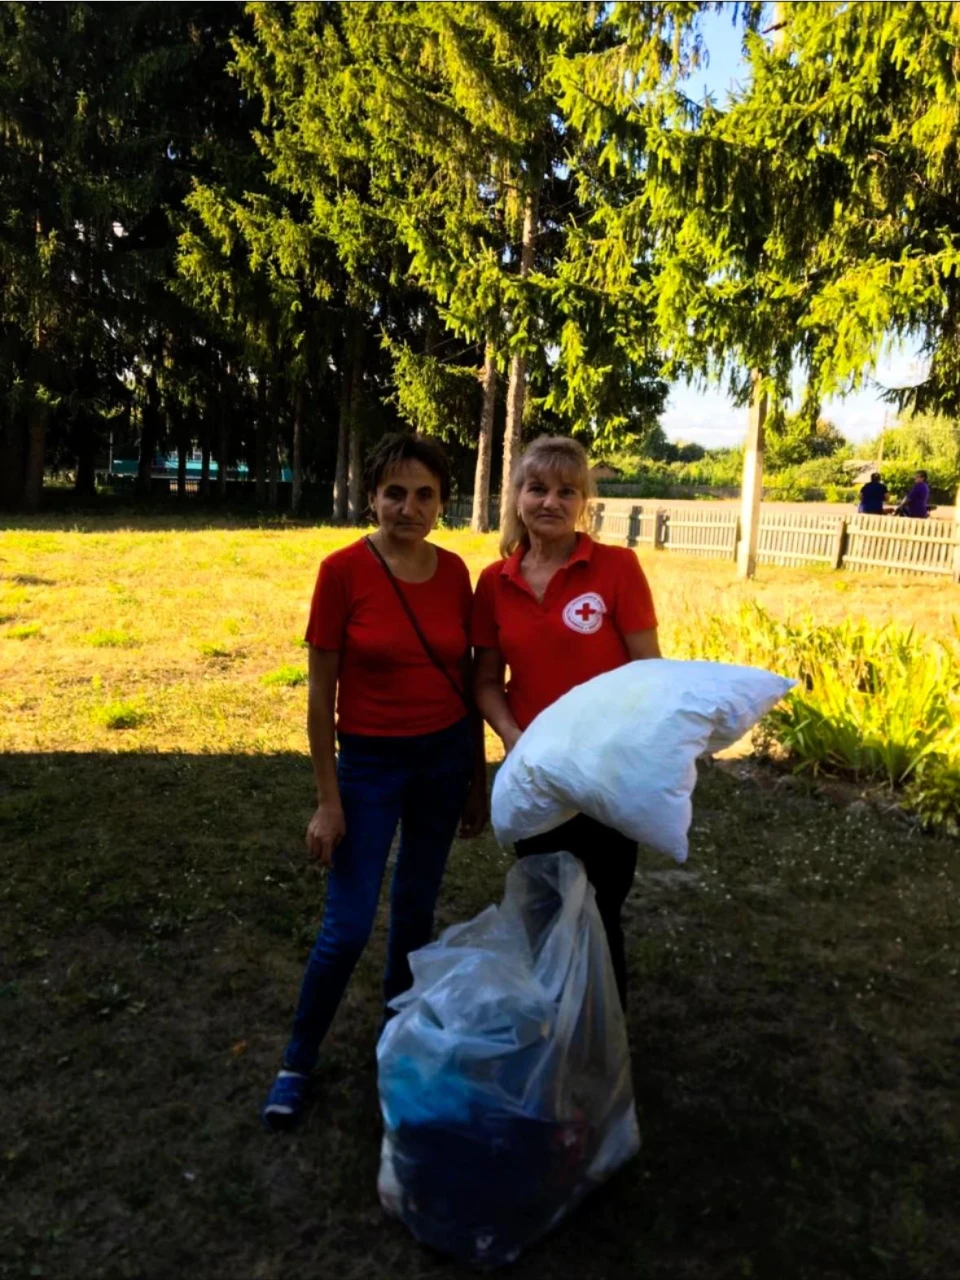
(106, 113)
(427, 143)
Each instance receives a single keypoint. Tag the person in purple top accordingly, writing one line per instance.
(917, 502)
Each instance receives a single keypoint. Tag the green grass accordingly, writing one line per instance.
(288, 676)
(120, 715)
(210, 649)
(101, 639)
(25, 632)
(794, 987)
(792, 1024)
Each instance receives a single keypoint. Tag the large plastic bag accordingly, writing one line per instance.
(622, 748)
(505, 1076)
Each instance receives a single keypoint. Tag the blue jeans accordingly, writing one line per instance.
(421, 783)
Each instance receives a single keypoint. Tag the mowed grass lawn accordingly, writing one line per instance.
(794, 1004)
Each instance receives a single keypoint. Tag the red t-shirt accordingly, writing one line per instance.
(387, 686)
(574, 634)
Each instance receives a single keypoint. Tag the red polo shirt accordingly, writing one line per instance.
(387, 686)
(574, 634)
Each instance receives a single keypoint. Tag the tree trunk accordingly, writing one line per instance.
(342, 473)
(480, 520)
(36, 452)
(348, 480)
(517, 387)
(205, 465)
(356, 504)
(181, 469)
(751, 492)
(223, 430)
(85, 483)
(260, 446)
(273, 458)
(149, 433)
(299, 409)
(12, 460)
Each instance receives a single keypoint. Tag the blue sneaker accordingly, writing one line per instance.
(286, 1100)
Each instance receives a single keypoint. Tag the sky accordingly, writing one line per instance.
(707, 416)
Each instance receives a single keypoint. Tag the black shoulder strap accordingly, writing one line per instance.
(425, 644)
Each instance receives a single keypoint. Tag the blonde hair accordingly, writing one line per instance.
(547, 455)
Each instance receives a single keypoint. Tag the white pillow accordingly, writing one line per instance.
(622, 748)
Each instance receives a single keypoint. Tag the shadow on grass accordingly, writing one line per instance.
(793, 1022)
(156, 515)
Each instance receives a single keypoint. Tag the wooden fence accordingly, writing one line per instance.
(903, 546)
(797, 538)
(788, 535)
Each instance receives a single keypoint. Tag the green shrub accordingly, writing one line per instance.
(288, 676)
(24, 632)
(120, 715)
(208, 649)
(877, 705)
(782, 489)
(112, 640)
(840, 493)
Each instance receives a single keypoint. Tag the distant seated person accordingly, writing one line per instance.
(916, 504)
(872, 496)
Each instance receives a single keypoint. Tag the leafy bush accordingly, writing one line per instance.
(898, 477)
(101, 639)
(120, 715)
(783, 489)
(930, 441)
(210, 649)
(871, 704)
(288, 676)
(840, 493)
(719, 469)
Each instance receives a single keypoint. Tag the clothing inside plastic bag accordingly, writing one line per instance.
(505, 1079)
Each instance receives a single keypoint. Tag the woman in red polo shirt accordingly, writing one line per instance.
(559, 609)
(389, 644)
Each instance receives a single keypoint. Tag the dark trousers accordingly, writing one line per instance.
(420, 784)
(610, 860)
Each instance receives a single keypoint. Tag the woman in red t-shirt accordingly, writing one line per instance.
(389, 645)
(559, 609)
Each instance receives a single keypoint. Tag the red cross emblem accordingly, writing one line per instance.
(585, 613)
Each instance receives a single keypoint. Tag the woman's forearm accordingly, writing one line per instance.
(493, 706)
(321, 700)
(320, 734)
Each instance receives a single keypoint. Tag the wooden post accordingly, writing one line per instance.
(840, 545)
(751, 491)
(660, 530)
(956, 539)
(634, 525)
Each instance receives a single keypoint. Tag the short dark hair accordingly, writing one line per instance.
(875, 476)
(922, 475)
(407, 446)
